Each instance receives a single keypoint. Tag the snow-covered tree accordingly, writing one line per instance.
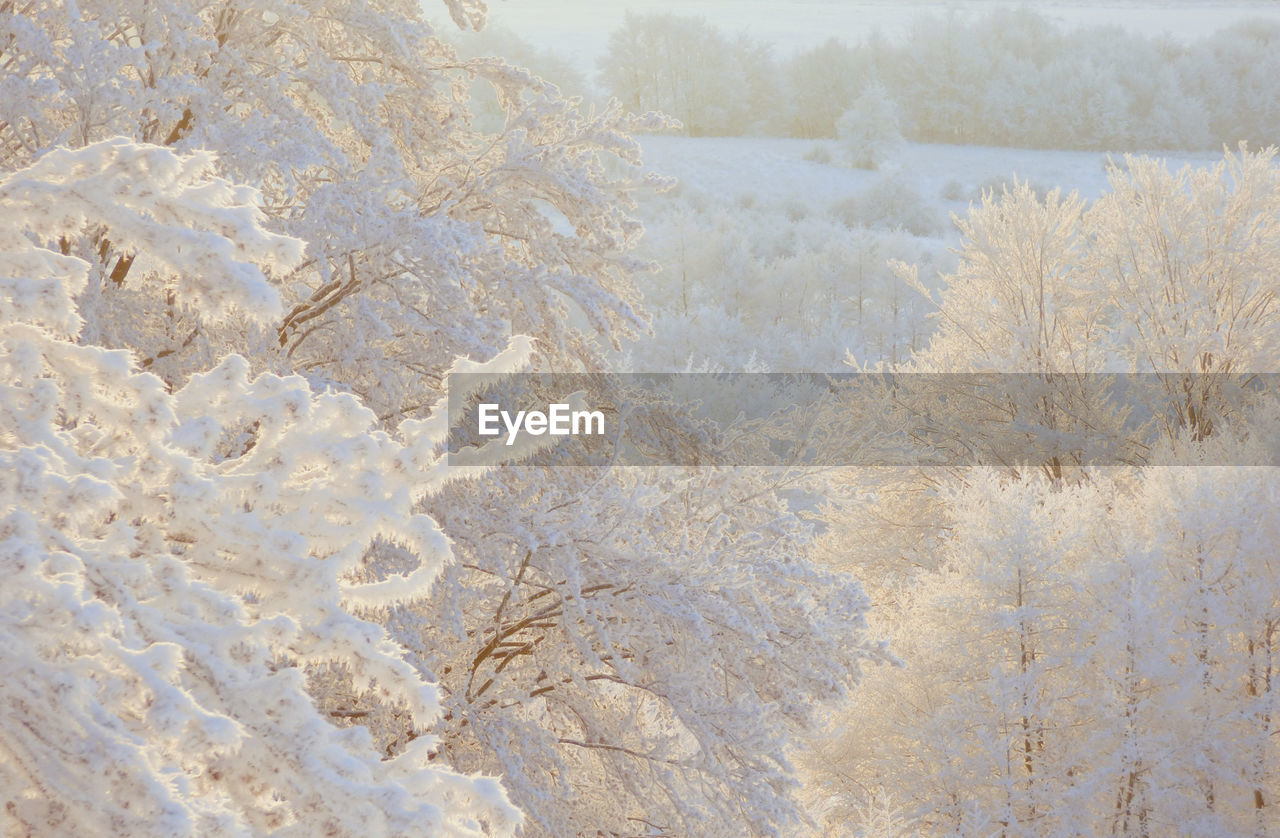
(978, 729)
(685, 67)
(1188, 266)
(1087, 650)
(1087, 659)
(644, 661)
(1231, 72)
(868, 131)
(430, 238)
(1019, 305)
(821, 85)
(175, 559)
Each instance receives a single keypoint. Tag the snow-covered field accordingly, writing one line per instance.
(767, 170)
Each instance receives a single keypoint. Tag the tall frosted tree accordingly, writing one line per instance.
(1087, 650)
(623, 688)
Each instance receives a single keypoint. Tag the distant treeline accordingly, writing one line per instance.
(1011, 77)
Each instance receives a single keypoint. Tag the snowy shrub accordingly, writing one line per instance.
(1114, 163)
(819, 153)
(999, 185)
(891, 202)
(791, 293)
(797, 210)
(954, 190)
(868, 132)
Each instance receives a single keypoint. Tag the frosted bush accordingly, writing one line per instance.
(869, 133)
(820, 153)
(890, 203)
(954, 190)
(796, 210)
(998, 185)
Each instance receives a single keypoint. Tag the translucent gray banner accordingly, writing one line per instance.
(1048, 420)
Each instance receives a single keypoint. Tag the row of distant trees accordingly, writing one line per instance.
(1011, 77)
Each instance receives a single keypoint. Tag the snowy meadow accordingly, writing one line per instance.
(263, 263)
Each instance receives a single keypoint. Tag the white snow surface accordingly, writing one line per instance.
(771, 170)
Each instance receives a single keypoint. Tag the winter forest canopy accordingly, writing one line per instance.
(1007, 77)
(244, 245)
